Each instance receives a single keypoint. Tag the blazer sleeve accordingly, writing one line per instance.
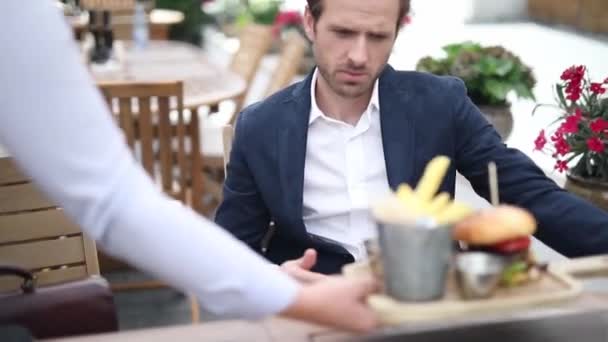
(568, 224)
(242, 211)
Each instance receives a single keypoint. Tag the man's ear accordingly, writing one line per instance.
(309, 24)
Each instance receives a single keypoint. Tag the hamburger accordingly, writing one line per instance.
(506, 231)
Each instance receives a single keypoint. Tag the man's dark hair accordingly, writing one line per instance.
(316, 9)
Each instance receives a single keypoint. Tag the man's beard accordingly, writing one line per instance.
(343, 89)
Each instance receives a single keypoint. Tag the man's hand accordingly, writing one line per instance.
(337, 302)
(299, 269)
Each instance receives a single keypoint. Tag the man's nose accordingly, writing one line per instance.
(358, 51)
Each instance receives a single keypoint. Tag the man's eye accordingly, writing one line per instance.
(343, 33)
(377, 37)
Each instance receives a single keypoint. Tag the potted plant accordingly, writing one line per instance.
(579, 136)
(490, 75)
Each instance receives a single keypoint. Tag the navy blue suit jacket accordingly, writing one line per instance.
(421, 116)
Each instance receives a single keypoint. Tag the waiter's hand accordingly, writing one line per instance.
(337, 302)
(299, 269)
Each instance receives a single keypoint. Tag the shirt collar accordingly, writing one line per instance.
(315, 111)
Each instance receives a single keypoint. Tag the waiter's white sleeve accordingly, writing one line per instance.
(54, 122)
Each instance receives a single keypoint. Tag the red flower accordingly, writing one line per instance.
(606, 80)
(286, 19)
(561, 166)
(574, 90)
(574, 73)
(574, 77)
(597, 88)
(540, 141)
(562, 147)
(599, 125)
(595, 144)
(571, 123)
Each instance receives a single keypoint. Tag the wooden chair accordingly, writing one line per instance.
(164, 138)
(162, 135)
(292, 53)
(36, 234)
(255, 41)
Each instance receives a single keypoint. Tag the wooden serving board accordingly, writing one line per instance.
(557, 285)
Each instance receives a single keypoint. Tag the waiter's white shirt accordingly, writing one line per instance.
(54, 122)
(344, 173)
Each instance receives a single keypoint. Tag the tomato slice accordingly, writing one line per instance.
(512, 245)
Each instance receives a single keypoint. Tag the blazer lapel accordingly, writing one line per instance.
(398, 133)
(292, 139)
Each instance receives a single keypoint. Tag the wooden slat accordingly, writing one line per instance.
(90, 256)
(182, 158)
(10, 173)
(46, 278)
(196, 170)
(145, 134)
(35, 225)
(47, 253)
(139, 89)
(21, 197)
(127, 120)
(292, 54)
(166, 138)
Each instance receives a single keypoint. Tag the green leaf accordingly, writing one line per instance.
(560, 95)
(453, 50)
(509, 273)
(522, 91)
(497, 89)
(488, 66)
(503, 67)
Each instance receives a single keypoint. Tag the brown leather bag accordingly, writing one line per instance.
(73, 308)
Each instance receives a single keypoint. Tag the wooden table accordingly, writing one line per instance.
(204, 82)
(584, 319)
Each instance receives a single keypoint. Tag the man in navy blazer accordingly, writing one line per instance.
(420, 116)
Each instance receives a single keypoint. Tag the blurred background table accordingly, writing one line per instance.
(160, 22)
(205, 83)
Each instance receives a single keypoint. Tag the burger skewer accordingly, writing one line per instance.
(492, 174)
(502, 230)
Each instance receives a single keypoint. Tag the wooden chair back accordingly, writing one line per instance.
(36, 234)
(163, 137)
(254, 43)
(292, 53)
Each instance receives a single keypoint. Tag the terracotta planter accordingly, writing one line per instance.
(591, 190)
(500, 117)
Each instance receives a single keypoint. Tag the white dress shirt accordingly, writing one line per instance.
(54, 122)
(343, 174)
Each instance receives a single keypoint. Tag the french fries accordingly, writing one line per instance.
(408, 205)
(432, 177)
